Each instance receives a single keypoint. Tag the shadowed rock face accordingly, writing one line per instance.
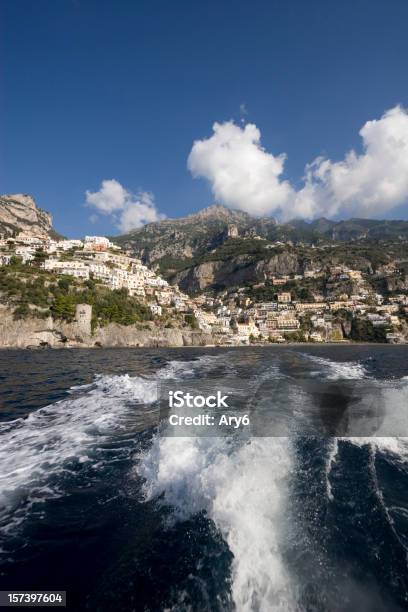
(236, 271)
(19, 212)
(192, 235)
(201, 232)
(219, 248)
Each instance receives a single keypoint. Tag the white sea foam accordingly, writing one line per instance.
(37, 447)
(338, 370)
(397, 446)
(392, 396)
(35, 450)
(391, 436)
(331, 460)
(203, 365)
(243, 489)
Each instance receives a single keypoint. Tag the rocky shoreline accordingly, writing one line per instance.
(49, 333)
(34, 333)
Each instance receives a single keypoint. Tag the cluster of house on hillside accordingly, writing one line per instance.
(315, 320)
(96, 257)
(271, 321)
(232, 318)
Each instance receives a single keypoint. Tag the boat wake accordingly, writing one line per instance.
(275, 501)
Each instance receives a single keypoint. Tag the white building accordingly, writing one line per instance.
(284, 297)
(28, 240)
(164, 297)
(26, 253)
(66, 245)
(245, 330)
(97, 243)
(4, 259)
(316, 336)
(56, 264)
(76, 272)
(155, 309)
(288, 323)
(224, 323)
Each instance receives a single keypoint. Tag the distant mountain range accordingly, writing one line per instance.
(219, 248)
(173, 240)
(350, 229)
(213, 233)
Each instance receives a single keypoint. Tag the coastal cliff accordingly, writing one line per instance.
(50, 333)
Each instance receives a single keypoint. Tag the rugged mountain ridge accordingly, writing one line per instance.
(177, 240)
(353, 229)
(218, 243)
(218, 248)
(20, 213)
(239, 270)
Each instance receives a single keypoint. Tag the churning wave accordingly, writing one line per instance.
(37, 451)
(242, 486)
(393, 400)
(245, 487)
(337, 370)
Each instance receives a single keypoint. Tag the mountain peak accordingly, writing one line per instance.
(21, 198)
(20, 213)
(220, 212)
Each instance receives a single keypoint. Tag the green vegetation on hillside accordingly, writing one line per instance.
(38, 293)
(363, 330)
(235, 247)
(175, 244)
(168, 264)
(300, 290)
(191, 321)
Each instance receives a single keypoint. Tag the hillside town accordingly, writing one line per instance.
(95, 257)
(321, 320)
(234, 316)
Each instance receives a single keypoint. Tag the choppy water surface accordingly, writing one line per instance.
(94, 501)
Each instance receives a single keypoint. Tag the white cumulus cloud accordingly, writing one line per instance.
(244, 176)
(129, 211)
(241, 173)
(138, 212)
(368, 184)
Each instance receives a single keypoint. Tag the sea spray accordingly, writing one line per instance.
(35, 451)
(243, 489)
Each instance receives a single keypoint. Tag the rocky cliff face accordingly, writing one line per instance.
(19, 212)
(175, 244)
(35, 333)
(251, 268)
(181, 239)
(237, 271)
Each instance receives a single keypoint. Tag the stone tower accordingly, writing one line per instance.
(232, 231)
(83, 317)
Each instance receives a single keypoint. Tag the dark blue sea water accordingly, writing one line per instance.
(96, 501)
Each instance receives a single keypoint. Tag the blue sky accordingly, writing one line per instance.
(101, 90)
